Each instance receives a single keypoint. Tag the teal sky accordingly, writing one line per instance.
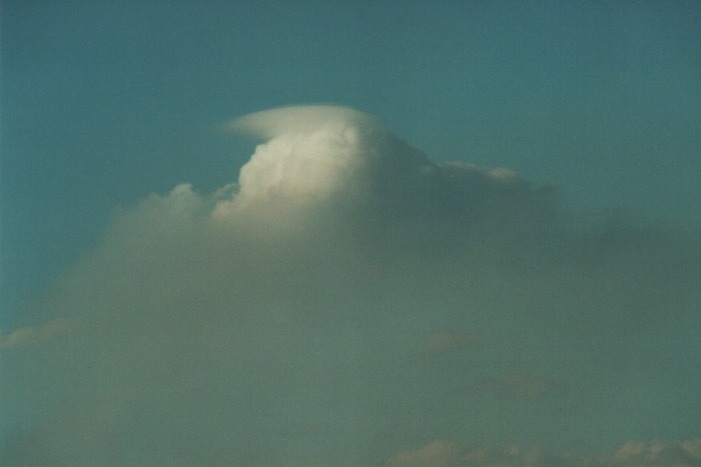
(104, 103)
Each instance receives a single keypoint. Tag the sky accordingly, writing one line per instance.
(350, 233)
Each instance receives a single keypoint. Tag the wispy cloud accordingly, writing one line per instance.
(437, 453)
(34, 335)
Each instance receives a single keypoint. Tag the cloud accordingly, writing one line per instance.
(437, 453)
(34, 335)
(332, 159)
(657, 453)
(317, 155)
(276, 321)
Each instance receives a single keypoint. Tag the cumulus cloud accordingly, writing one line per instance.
(317, 155)
(330, 159)
(348, 297)
(662, 453)
(657, 453)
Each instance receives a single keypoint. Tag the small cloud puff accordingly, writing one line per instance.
(34, 335)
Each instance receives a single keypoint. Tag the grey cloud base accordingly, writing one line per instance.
(349, 301)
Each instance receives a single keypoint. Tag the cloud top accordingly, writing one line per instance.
(319, 156)
(329, 159)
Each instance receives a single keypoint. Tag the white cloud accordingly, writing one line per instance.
(327, 158)
(320, 157)
(209, 329)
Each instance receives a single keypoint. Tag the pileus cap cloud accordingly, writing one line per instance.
(323, 156)
(300, 119)
(316, 153)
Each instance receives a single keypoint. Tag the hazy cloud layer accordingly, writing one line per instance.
(349, 299)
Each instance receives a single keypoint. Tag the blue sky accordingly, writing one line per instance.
(106, 103)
